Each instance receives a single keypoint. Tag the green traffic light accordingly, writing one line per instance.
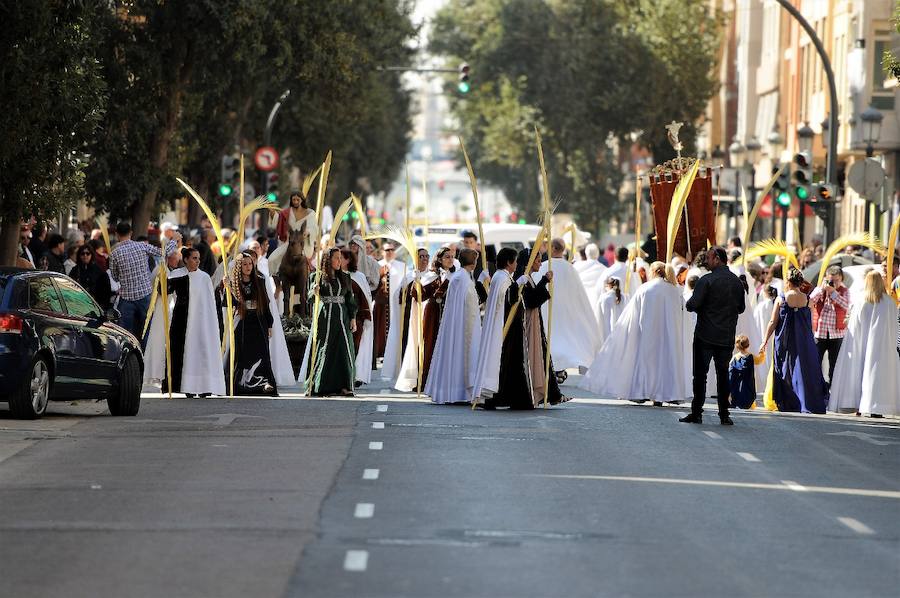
(225, 190)
(463, 87)
(521, 221)
(784, 199)
(802, 193)
(353, 214)
(345, 217)
(272, 196)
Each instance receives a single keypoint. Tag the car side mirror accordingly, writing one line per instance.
(112, 315)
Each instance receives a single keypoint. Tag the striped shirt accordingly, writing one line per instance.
(129, 266)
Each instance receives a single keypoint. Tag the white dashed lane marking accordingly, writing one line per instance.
(378, 425)
(749, 457)
(858, 526)
(370, 474)
(376, 446)
(713, 435)
(382, 408)
(356, 560)
(364, 510)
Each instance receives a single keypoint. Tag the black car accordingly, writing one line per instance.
(57, 344)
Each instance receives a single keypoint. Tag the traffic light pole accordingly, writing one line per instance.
(831, 161)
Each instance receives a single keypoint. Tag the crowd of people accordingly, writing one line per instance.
(445, 326)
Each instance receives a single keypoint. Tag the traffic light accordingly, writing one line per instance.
(802, 178)
(781, 189)
(825, 192)
(229, 174)
(463, 86)
(272, 186)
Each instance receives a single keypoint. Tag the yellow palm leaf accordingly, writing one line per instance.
(323, 183)
(308, 181)
(260, 203)
(362, 215)
(841, 243)
(892, 248)
(676, 209)
(751, 219)
(401, 236)
(474, 184)
(774, 247)
(103, 223)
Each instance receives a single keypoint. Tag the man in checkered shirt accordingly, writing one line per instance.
(129, 266)
(830, 303)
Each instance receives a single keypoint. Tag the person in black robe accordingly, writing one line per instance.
(522, 362)
(252, 361)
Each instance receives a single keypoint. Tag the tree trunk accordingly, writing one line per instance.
(9, 240)
(160, 143)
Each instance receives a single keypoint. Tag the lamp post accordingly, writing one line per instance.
(805, 136)
(776, 145)
(735, 158)
(754, 147)
(871, 126)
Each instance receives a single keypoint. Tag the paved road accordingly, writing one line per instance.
(386, 496)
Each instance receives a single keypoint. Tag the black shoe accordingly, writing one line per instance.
(690, 418)
(357, 384)
(657, 403)
(726, 421)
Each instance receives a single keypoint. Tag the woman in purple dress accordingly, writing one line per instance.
(798, 383)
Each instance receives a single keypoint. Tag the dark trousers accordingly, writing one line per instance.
(720, 355)
(832, 346)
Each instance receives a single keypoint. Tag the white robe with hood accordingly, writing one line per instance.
(574, 338)
(451, 378)
(487, 374)
(364, 354)
(643, 358)
(408, 378)
(867, 373)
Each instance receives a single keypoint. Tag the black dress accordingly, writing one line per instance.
(252, 362)
(522, 366)
(181, 288)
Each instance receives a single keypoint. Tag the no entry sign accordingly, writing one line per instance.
(266, 158)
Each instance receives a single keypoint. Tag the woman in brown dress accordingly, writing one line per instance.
(433, 298)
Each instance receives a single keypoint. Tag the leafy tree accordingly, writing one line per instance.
(53, 98)
(588, 74)
(889, 61)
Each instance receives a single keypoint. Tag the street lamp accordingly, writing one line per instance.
(718, 155)
(736, 152)
(825, 124)
(805, 136)
(776, 142)
(754, 147)
(871, 119)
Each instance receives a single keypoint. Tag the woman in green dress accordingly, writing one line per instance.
(333, 367)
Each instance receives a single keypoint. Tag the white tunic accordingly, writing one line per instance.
(762, 314)
(643, 358)
(618, 270)
(867, 374)
(364, 354)
(408, 378)
(487, 373)
(608, 312)
(574, 338)
(451, 378)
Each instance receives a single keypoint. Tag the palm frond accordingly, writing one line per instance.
(342, 211)
(773, 247)
(363, 229)
(676, 208)
(309, 179)
(751, 220)
(400, 235)
(892, 247)
(841, 243)
(323, 183)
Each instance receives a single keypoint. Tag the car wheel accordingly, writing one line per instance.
(127, 398)
(30, 400)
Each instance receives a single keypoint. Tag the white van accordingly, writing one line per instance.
(496, 236)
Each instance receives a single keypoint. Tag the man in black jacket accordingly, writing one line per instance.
(718, 300)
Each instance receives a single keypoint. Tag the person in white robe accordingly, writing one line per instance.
(197, 367)
(609, 307)
(364, 354)
(155, 349)
(574, 334)
(451, 378)
(589, 270)
(762, 314)
(867, 374)
(487, 374)
(643, 358)
(390, 366)
(620, 270)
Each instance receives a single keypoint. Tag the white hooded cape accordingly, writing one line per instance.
(408, 378)
(202, 370)
(487, 372)
(867, 374)
(762, 314)
(618, 270)
(608, 312)
(574, 339)
(452, 374)
(643, 358)
(364, 355)
(590, 271)
(155, 351)
(390, 365)
(748, 326)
